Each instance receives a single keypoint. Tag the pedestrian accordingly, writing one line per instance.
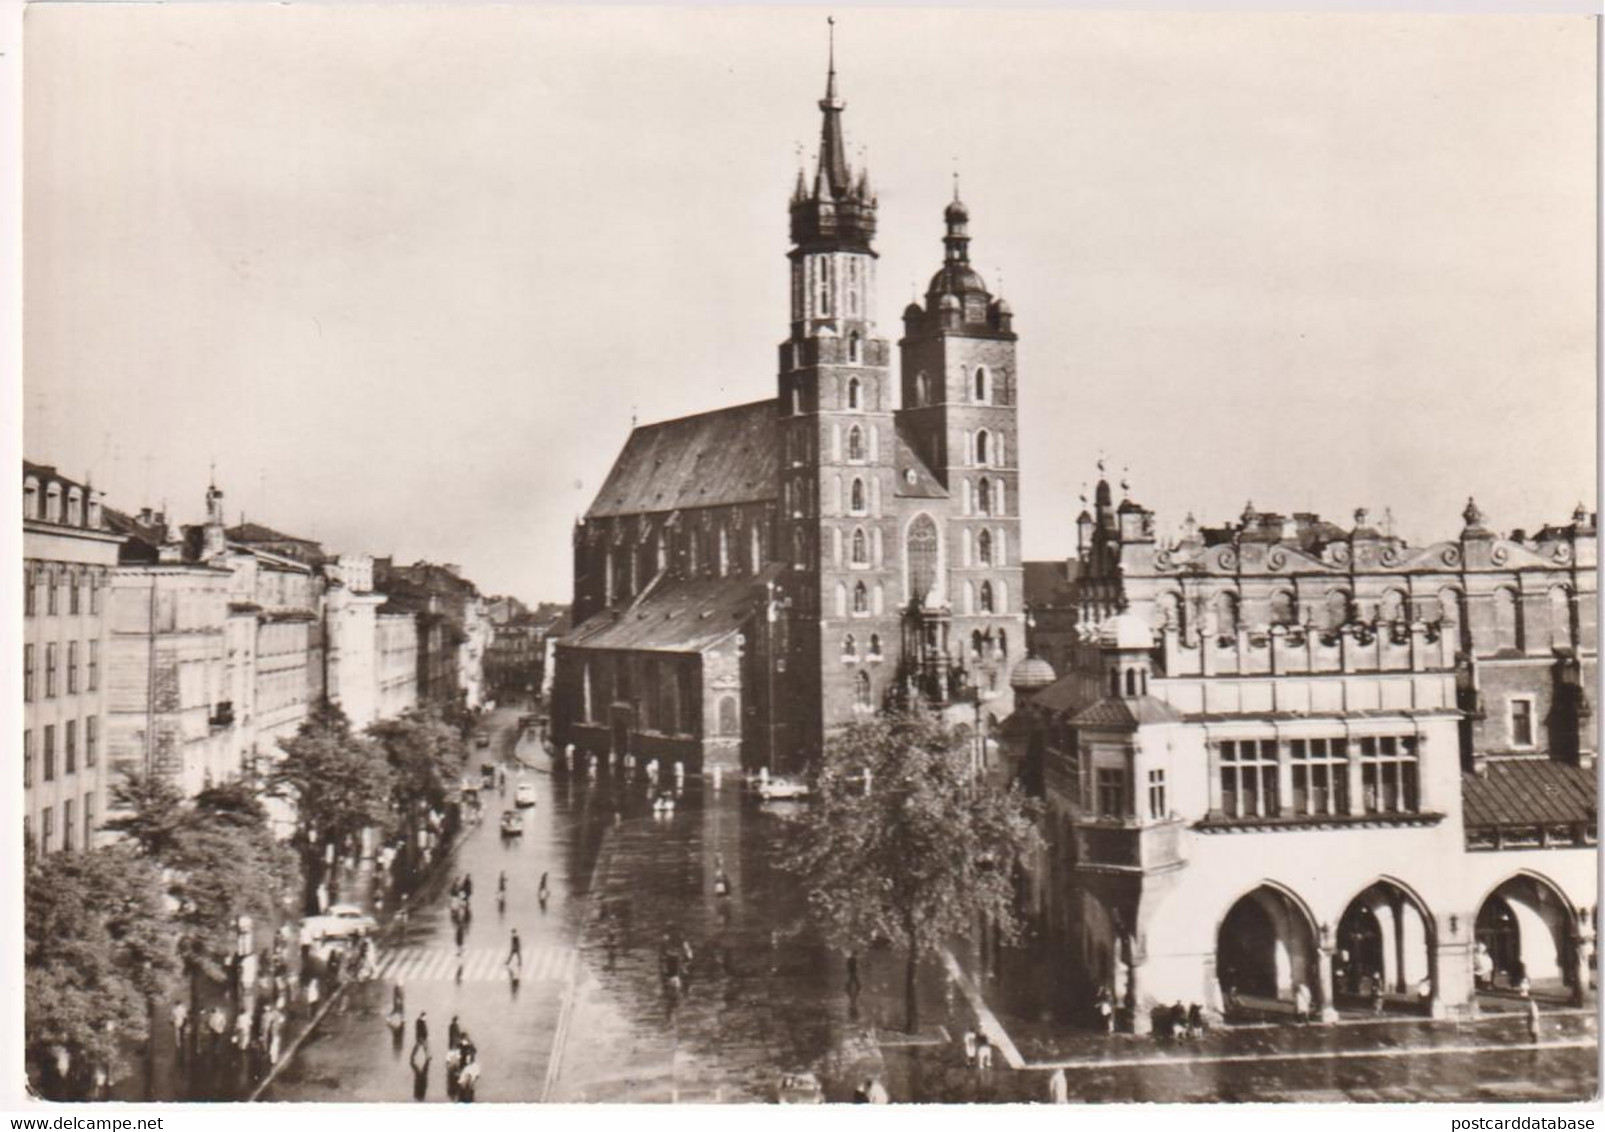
(336, 960)
(454, 1064)
(420, 1029)
(468, 1080)
(1105, 1007)
(861, 1092)
(1195, 1019)
(515, 951)
(1378, 996)
(398, 999)
(468, 888)
(459, 937)
(420, 1071)
(877, 1092)
(1301, 1002)
(970, 1047)
(312, 993)
(216, 1026)
(454, 1032)
(543, 893)
(721, 884)
(470, 1050)
(1533, 1025)
(853, 985)
(1058, 1088)
(180, 1014)
(983, 1051)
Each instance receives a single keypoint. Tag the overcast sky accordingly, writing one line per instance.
(403, 273)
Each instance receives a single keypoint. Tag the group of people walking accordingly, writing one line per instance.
(462, 1066)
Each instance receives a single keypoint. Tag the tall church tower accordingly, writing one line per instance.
(838, 534)
(961, 415)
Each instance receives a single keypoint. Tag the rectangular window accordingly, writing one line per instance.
(1111, 792)
(50, 670)
(89, 821)
(66, 825)
(94, 607)
(91, 739)
(93, 682)
(50, 752)
(1521, 723)
(30, 594)
(1248, 786)
(50, 591)
(72, 667)
(69, 747)
(72, 607)
(1156, 794)
(47, 830)
(1388, 774)
(27, 758)
(1320, 777)
(27, 674)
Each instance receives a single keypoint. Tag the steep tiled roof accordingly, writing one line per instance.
(922, 484)
(256, 532)
(1111, 712)
(1529, 792)
(682, 616)
(711, 459)
(1051, 583)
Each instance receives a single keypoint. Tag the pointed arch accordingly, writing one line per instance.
(983, 496)
(983, 385)
(983, 452)
(855, 393)
(860, 548)
(986, 597)
(856, 502)
(983, 547)
(855, 445)
(860, 598)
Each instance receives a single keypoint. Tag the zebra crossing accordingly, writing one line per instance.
(479, 964)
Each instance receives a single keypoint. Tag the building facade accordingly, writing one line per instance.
(69, 557)
(1287, 755)
(751, 578)
(396, 663)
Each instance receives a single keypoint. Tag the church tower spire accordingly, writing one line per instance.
(838, 214)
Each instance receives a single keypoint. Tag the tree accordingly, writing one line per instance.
(339, 784)
(219, 861)
(98, 952)
(426, 757)
(919, 857)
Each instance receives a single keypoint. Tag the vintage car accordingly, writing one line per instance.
(341, 921)
(800, 1088)
(512, 824)
(525, 794)
(782, 789)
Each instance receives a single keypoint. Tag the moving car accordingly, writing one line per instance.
(800, 1088)
(525, 794)
(482, 739)
(782, 789)
(512, 824)
(341, 921)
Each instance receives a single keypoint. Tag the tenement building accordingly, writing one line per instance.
(68, 557)
(1284, 754)
(750, 578)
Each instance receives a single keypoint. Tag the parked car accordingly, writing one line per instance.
(800, 1088)
(782, 789)
(341, 921)
(482, 739)
(512, 824)
(525, 794)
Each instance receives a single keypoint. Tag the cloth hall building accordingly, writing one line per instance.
(749, 578)
(1282, 754)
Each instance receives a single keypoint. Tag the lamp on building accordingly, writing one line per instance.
(1454, 925)
(1326, 937)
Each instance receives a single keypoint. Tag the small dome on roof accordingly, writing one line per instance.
(1032, 673)
(957, 279)
(1001, 306)
(1128, 630)
(956, 213)
(913, 310)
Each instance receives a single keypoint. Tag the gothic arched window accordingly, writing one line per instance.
(860, 598)
(983, 496)
(982, 388)
(874, 644)
(799, 550)
(855, 443)
(863, 692)
(981, 446)
(922, 555)
(856, 499)
(855, 391)
(983, 547)
(849, 646)
(922, 388)
(855, 347)
(860, 548)
(986, 597)
(977, 644)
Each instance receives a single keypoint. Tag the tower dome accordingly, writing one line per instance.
(1031, 674)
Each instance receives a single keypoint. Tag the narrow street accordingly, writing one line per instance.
(592, 1020)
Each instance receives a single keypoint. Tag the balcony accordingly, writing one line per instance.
(1125, 845)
